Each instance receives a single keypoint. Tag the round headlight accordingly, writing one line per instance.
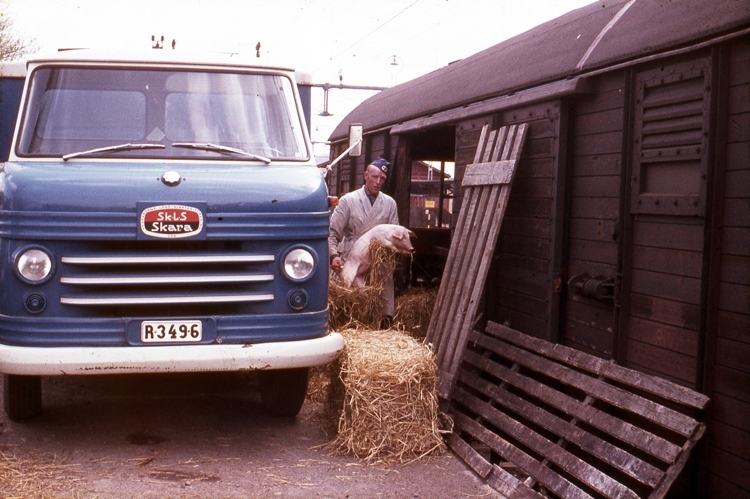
(299, 263)
(34, 264)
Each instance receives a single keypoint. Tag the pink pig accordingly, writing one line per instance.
(357, 264)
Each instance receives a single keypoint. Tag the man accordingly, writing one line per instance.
(358, 212)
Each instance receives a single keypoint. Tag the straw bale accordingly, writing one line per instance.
(414, 310)
(386, 398)
(354, 307)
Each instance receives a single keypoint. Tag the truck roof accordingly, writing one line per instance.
(12, 69)
(160, 57)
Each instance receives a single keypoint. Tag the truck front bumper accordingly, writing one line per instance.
(55, 361)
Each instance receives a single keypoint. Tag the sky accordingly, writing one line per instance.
(377, 43)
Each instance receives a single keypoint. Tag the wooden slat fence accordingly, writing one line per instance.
(537, 419)
(486, 185)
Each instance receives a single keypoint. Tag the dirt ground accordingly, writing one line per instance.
(196, 436)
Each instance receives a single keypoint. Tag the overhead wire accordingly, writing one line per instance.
(366, 36)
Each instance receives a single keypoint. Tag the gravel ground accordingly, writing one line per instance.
(196, 435)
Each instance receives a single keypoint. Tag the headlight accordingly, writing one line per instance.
(34, 265)
(299, 263)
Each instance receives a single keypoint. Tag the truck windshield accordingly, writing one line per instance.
(83, 112)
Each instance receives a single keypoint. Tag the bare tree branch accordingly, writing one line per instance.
(12, 47)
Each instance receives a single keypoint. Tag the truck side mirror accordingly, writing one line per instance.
(355, 139)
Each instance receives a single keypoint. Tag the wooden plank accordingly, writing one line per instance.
(595, 123)
(675, 339)
(510, 486)
(605, 143)
(446, 306)
(733, 383)
(733, 354)
(684, 236)
(522, 413)
(576, 467)
(734, 298)
(605, 164)
(734, 327)
(499, 172)
(538, 188)
(732, 468)
(731, 411)
(670, 312)
(662, 388)
(600, 186)
(529, 324)
(669, 261)
(617, 397)
(530, 206)
(528, 464)
(593, 229)
(470, 253)
(536, 168)
(661, 362)
(735, 269)
(730, 439)
(598, 342)
(469, 455)
(475, 277)
(450, 273)
(595, 446)
(626, 432)
(675, 469)
(607, 208)
(526, 226)
(671, 287)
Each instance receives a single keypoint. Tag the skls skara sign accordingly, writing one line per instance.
(171, 221)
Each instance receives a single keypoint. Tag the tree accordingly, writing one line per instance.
(11, 46)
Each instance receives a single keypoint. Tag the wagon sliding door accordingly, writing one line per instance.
(664, 246)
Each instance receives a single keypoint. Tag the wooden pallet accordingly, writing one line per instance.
(537, 420)
(486, 186)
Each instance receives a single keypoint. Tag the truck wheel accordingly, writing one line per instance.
(283, 391)
(22, 396)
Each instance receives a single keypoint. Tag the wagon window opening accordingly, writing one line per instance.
(431, 195)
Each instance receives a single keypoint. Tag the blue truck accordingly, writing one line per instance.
(159, 213)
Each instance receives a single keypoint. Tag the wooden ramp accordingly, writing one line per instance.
(539, 420)
(486, 189)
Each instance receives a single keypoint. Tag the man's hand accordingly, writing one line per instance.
(337, 264)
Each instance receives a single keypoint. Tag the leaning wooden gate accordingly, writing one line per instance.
(536, 419)
(487, 187)
(541, 420)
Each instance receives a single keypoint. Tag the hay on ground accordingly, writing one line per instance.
(40, 476)
(386, 398)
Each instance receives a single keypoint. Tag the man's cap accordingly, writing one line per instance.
(381, 165)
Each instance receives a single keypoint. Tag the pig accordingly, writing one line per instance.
(357, 265)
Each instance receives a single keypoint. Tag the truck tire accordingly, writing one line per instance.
(22, 396)
(283, 391)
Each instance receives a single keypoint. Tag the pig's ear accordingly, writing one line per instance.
(411, 234)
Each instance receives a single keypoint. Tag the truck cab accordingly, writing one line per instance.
(161, 213)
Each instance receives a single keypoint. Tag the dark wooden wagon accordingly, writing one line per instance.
(627, 229)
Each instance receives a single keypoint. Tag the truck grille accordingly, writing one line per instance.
(125, 280)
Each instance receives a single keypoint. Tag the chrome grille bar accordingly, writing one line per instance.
(165, 300)
(191, 279)
(165, 259)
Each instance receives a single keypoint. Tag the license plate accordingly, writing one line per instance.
(171, 331)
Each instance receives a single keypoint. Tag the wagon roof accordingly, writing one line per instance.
(596, 36)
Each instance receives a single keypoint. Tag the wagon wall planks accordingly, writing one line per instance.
(729, 474)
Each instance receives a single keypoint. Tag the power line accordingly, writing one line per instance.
(367, 35)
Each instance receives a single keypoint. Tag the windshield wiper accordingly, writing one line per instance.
(120, 147)
(217, 148)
